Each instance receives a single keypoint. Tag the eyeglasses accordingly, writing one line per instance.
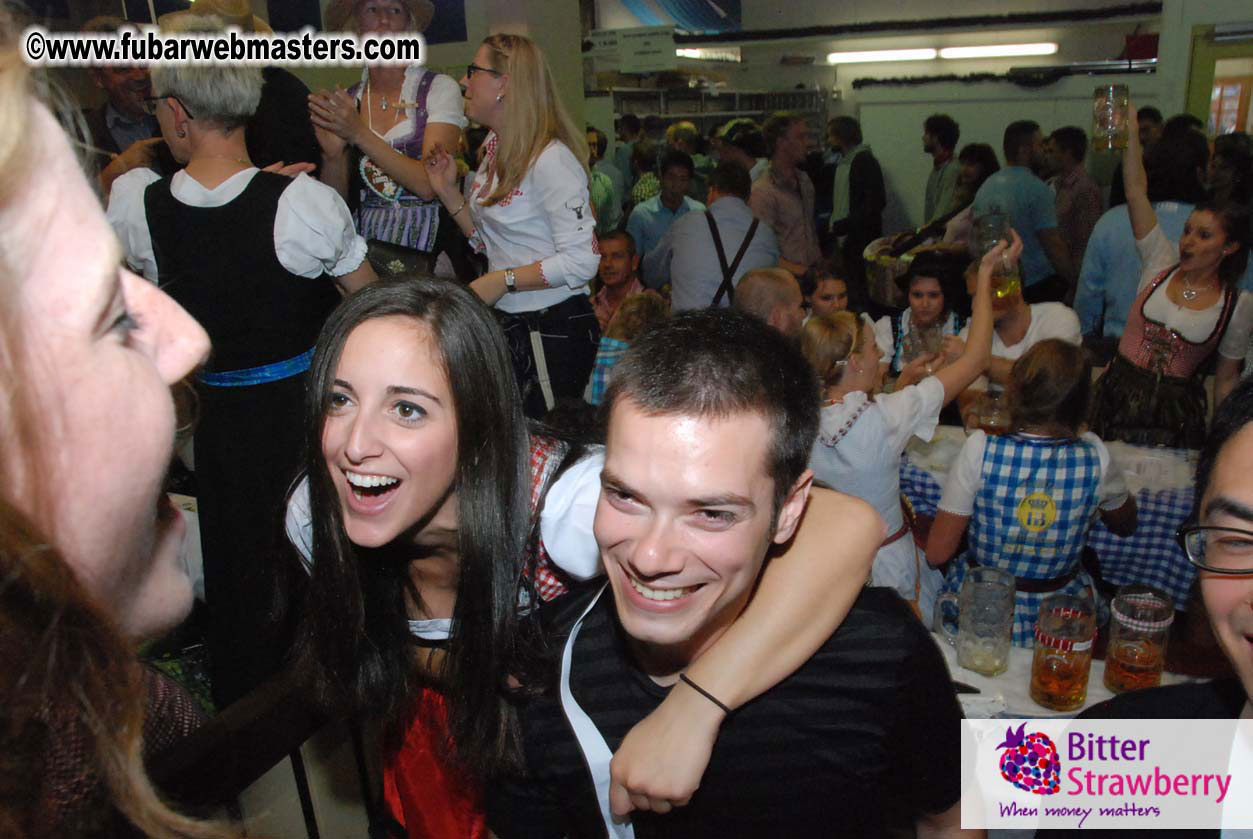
(150, 104)
(1222, 550)
(471, 69)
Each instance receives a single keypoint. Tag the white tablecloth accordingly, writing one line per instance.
(1009, 694)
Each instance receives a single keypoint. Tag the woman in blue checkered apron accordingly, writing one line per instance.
(1029, 497)
(375, 135)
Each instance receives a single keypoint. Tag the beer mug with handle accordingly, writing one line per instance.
(985, 620)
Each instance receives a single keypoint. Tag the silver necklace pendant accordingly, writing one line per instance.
(1190, 294)
(384, 103)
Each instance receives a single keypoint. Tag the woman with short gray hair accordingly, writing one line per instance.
(246, 252)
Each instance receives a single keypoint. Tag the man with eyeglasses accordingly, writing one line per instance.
(122, 125)
(1220, 544)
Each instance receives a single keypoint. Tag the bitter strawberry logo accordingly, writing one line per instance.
(1030, 762)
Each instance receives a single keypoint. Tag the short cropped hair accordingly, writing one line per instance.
(226, 94)
(673, 158)
(847, 129)
(731, 179)
(715, 363)
(776, 127)
(1050, 383)
(629, 124)
(1071, 139)
(761, 290)
(1017, 135)
(620, 235)
(944, 129)
(1148, 114)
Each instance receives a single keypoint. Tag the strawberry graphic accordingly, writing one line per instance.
(1030, 762)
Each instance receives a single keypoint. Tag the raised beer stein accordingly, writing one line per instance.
(1109, 117)
(984, 620)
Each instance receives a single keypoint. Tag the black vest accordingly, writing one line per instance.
(219, 264)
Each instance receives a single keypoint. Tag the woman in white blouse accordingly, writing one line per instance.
(862, 435)
(529, 210)
(375, 135)
(1187, 306)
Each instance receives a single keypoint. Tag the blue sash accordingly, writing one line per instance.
(260, 375)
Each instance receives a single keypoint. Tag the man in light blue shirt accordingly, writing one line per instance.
(687, 257)
(1027, 202)
(652, 218)
(1111, 267)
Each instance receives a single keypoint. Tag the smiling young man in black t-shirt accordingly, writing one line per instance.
(711, 420)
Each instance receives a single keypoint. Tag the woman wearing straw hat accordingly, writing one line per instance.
(374, 134)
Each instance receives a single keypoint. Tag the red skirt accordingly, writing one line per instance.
(426, 795)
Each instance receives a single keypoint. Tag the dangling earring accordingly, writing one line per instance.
(500, 97)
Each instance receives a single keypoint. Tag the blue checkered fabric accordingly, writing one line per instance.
(1031, 517)
(1149, 556)
(607, 355)
(923, 490)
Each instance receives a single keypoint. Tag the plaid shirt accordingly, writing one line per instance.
(1079, 208)
(646, 187)
(607, 355)
(1031, 517)
(546, 455)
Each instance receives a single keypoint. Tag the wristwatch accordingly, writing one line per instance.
(511, 280)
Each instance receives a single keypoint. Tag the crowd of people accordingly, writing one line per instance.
(574, 475)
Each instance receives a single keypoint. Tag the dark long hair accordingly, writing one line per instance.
(1237, 226)
(355, 640)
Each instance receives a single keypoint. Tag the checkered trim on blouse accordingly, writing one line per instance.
(546, 456)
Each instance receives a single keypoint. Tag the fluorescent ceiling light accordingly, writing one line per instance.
(710, 53)
(999, 51)
(880, 55)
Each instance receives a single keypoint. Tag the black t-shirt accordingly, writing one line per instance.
(1218, 700)
(865, 734)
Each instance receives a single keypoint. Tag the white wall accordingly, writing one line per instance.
(892, 120)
